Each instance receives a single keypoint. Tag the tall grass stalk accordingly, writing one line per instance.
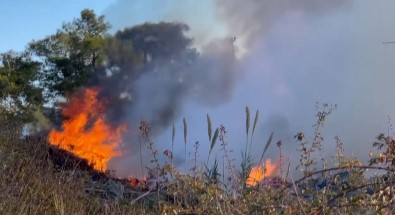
(254, 126)
(173, 135)
(269, 141)
(213, 141)
(185, 139)
(247, 125)
(141, 157)
(209, 128)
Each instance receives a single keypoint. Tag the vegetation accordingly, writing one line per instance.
(33, 183)
(70, 56)
(35, 180)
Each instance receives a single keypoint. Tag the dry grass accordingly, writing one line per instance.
(31, 183)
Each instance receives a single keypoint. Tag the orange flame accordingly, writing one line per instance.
(85, 133)
(260, 172)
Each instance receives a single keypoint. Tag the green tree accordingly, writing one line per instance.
(73, 54)
(20, 91)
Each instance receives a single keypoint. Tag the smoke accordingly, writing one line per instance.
(251, 20)
(214, 77)
(171, 71)
(290, 54)
(297, 55)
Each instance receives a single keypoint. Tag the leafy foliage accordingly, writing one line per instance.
(72, 55)
(20, 94)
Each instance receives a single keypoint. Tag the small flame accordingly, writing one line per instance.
(137, 183)
(260, 172)
(85, 132)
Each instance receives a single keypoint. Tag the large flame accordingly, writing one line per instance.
(85, 133)
(260, 172)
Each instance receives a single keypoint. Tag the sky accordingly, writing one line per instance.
(23, 20)
(292, 55)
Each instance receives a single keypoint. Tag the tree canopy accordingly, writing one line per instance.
(19, 75)
(72, 54)
(82, 53)
(158, 49)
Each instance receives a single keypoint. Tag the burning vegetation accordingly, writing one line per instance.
(261, 191)
(71, 174)
(260, 172)
(85, 132)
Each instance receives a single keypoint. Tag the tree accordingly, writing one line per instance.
(157, 41)
(20, 92)
(159, 51)
(147, 48)
(72, 55)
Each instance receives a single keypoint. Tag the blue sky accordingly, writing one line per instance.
(25, 20)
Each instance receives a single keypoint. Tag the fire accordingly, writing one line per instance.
(260, 172)
(85, 132)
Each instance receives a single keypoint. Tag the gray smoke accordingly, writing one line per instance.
(214, 77)
(327, 51)
(295, 54)
(158, 90)
(251, 20)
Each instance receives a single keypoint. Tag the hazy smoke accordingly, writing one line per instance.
(252, 19)
(213, 79)
(295, 54)
(156, 90)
